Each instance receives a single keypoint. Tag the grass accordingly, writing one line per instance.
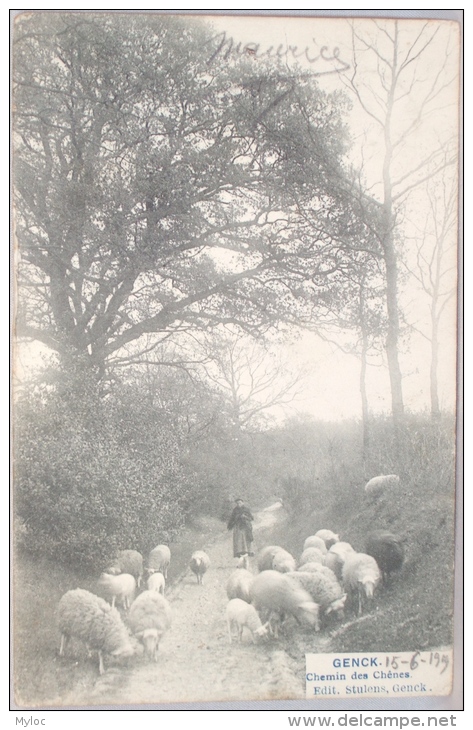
(415, 611)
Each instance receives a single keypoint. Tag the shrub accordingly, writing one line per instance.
(94, 474)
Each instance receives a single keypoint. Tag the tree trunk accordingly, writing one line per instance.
(392, 338)
(434, 395)
(390, 258)
(364, 397)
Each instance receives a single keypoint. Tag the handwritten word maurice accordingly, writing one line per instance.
(226, 47)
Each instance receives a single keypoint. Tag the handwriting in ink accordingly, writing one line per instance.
(227, 47)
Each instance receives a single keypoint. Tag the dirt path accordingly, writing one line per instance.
(196, 662)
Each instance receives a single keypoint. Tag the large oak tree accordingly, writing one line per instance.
(151, 181)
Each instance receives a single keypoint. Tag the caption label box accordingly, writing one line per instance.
(385, 674)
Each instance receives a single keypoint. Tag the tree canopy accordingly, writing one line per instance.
(158, 190)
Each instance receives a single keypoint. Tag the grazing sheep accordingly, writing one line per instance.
(324, 589)
(335, 562)
(157, 582)
(87, 617)
(329, 537)
(388, 551)
(159, 559)
(361, 575)
(312, 555)
(274, 595)
(265, 557)
(376, 485)
(149, 619)
(238, 584)
(283, 562)
(310, 567)
(128, 561)
(118, 588)
(240, 614)
(316, 542)
(342, 548)
(199, 564)
(335, 558)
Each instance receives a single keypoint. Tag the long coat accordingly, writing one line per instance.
(240, 520)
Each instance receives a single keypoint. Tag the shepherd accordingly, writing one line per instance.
(240, 520)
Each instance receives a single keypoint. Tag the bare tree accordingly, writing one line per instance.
(402, 84)
(250, 378)
(435, 266)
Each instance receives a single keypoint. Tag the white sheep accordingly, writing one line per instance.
(238, 584)
(329, 537)
(159, 559)
(324, 589)
(274, 595)
(342, 548)
(199, 564)
(264, 559)
(361, 576)
(156, 582)
(128, 561)
(239, 614)
(118, 589)
(335, 558)
(316, 542)
(378, 484)
(312, 555)
(283, 561)
(149, 618)
(87, 617)
(310, 567)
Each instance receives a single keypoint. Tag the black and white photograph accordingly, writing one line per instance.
(236, 248)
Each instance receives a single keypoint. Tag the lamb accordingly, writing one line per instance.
(159, 559)
(199, 564)
(378, 484)
(315, 541)
(312, 555)
(361, 575)
(329, 537)
(128, 561)
(324, 589)
(283, 561)
(87, 617)
(156, 582)
(118, 588)
(149, 618)
(274, 595)
(238, 584)
(388, 551)
(240, 614)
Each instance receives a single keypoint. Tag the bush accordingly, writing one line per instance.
(94, 474)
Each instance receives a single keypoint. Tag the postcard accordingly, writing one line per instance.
(236, 251)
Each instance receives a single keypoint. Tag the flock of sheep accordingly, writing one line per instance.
(97, 622)
(330, 572)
